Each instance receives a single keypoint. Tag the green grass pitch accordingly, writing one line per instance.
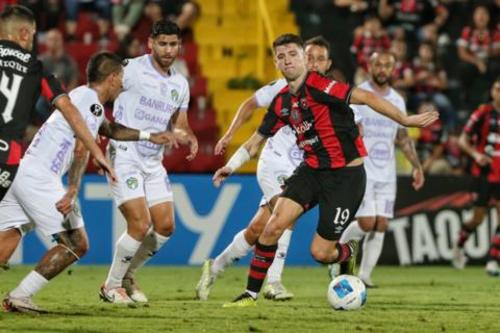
(410, 299)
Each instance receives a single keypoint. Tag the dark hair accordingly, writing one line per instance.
(288, 39)
(17, 12)
(319, 41)
(165, 27)
(101, 65)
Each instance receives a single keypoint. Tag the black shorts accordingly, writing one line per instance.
(338, 192)
(7, 174)
(485, 191)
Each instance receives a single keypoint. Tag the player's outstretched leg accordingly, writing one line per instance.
(71, 246)
(274, 289)
(242, 243)
(284, 216)
(162, 215)
(137, 216)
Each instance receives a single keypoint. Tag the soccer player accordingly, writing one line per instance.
(379, 136)
(332, 173)
(279, 157)
(479, 139)
(37, 194)
(155, 97)
(22, 80)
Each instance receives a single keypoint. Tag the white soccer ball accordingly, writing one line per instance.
(346, 292)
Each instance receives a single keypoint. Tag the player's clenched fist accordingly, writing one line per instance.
(220, 175)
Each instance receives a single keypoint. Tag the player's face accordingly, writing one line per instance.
(318, 59)
(495, 93)
(381, 68)
(290, 60)
(165, 49)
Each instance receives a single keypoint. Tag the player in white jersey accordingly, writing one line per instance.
(380, 134)
(37, 195)
(155, 98)
(278, 159)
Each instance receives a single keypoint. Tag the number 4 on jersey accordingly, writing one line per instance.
(10, 94)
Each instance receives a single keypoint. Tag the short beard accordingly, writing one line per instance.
(381, 83)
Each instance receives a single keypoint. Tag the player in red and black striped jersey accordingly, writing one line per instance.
(22, 80)
(480, 139)
(332, 175)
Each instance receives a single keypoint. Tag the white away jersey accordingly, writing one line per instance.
(283, 143)
(147, 103)
(379, 133)
(53, 145)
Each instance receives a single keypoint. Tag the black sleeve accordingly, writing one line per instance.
(51, 87)
(271, 122)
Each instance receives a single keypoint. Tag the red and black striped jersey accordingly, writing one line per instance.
(483, 129)
(321, 119)
(22, 80)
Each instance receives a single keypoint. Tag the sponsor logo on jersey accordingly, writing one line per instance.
(132, 183)
(285, 112)
(307, 142)
(302, 127)
(380, 154)
(295, 115)
(96, 110)
(174, 94)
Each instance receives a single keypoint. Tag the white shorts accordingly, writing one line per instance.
(272, 171)
(32, 198)
(133, 183)
(378, 200)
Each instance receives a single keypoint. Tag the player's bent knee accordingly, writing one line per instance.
(321, 256)
(166, 230)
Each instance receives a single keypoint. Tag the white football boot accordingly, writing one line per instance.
(133, 291)
(114, 295)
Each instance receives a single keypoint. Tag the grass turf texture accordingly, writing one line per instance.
(416, 299)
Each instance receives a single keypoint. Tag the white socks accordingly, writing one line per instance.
(238, 248)
(125, 250)
(276, 269)
(353, 232)
(30, 285)
(372, 247)
(150, 245)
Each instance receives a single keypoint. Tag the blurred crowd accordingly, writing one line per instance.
(448, 51)
(448, 55)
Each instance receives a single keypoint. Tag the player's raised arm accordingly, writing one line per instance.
(75, 120)
(247, 151)
(380, 105)
(243, 114)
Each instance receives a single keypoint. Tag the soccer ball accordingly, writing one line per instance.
(346, 292)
